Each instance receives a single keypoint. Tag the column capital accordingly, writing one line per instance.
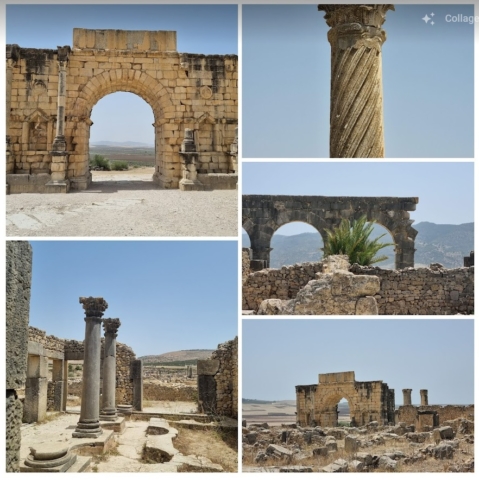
(94, 306)
(364, 14)
(111, 326)
(406, 390)
(63, 54)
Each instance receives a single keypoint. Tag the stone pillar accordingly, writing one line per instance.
(108, 403)
(234, 153)
(12, 56)
(89, 424)
(356, 115)
(65, 386)
(407, 396)
(404, 251)
(424, 400)
(189, 156)
(137, 377)
(59, 153)
(58, 385)
(35, 406)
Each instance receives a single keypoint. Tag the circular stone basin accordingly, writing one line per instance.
(49, 451)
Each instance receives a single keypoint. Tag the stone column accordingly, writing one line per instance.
(12, 56)
(424, 400)
(137, 377)
(89, 424)
(407, 396)
(35, 404)
(58, 381)
(356, 115)
(108, 403)
(59, 153)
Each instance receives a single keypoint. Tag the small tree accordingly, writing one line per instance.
(352, 239)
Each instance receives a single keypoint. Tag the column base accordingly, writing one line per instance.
(108, 416)
(87, 430)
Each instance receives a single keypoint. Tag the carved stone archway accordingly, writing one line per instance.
(264, 214)
(185, 91)
(368, 401)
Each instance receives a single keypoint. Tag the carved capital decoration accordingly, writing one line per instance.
(63, 54)
(111, 326)
(94, 306)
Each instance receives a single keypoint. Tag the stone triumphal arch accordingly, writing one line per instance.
(264, 214)
(51, 93)
(368, 401)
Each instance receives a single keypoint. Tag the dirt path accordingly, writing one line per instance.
(124, 204)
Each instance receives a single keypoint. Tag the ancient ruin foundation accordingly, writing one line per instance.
(356, 118)
(368, 401)
(264, 214)
(50, 95)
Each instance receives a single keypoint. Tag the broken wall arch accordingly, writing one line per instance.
(264, 214)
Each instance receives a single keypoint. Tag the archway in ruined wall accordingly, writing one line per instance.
(264, 214)
(134, 81)
(307, 247)
(122, 132)
(327, 407)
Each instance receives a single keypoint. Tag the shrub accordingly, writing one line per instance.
(101, 162)
(119, 166)
(352, 239)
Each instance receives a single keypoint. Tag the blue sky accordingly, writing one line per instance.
(445, 189)
(168, 295)
(437, 355)
(207, 29)
(427, 78)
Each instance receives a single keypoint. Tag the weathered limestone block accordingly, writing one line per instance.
(335, 292)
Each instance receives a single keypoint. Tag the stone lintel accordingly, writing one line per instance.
(207, 367)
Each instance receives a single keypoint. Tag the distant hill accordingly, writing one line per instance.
(179, 356)
(445, 244)
(126, 144)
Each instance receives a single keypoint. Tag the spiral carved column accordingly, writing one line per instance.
(356, 118)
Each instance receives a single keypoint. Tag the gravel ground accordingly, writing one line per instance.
(123, 206)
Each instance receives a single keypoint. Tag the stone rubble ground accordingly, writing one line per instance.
(124, 209)
(290, 448)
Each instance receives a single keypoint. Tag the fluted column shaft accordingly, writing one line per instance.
(108, 402)
(89, 424)
(356, 115)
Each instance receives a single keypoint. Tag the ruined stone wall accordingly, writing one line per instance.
(51, 343)
(411, 291)
(18, 288)
(218, 381)
(124, 357)
(184, 91)
(173, 393)
(408, 413)
(423, 291)
(245, 263)
(227, 378)
(283, 283)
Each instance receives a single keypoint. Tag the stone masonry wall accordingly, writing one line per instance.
(408, 413)
(172, 393)
(50, 342)
(283, 283)
(245, 263)
(124, 356)
(227, 378)
(421, 291)
(18, 287)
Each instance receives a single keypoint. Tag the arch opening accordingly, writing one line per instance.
(122, 139)
(295, 242)
(344, 413)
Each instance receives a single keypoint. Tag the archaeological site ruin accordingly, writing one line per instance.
(356, 110)
(111, 388)
(376, 436)
(50, 95)
(333, 286)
